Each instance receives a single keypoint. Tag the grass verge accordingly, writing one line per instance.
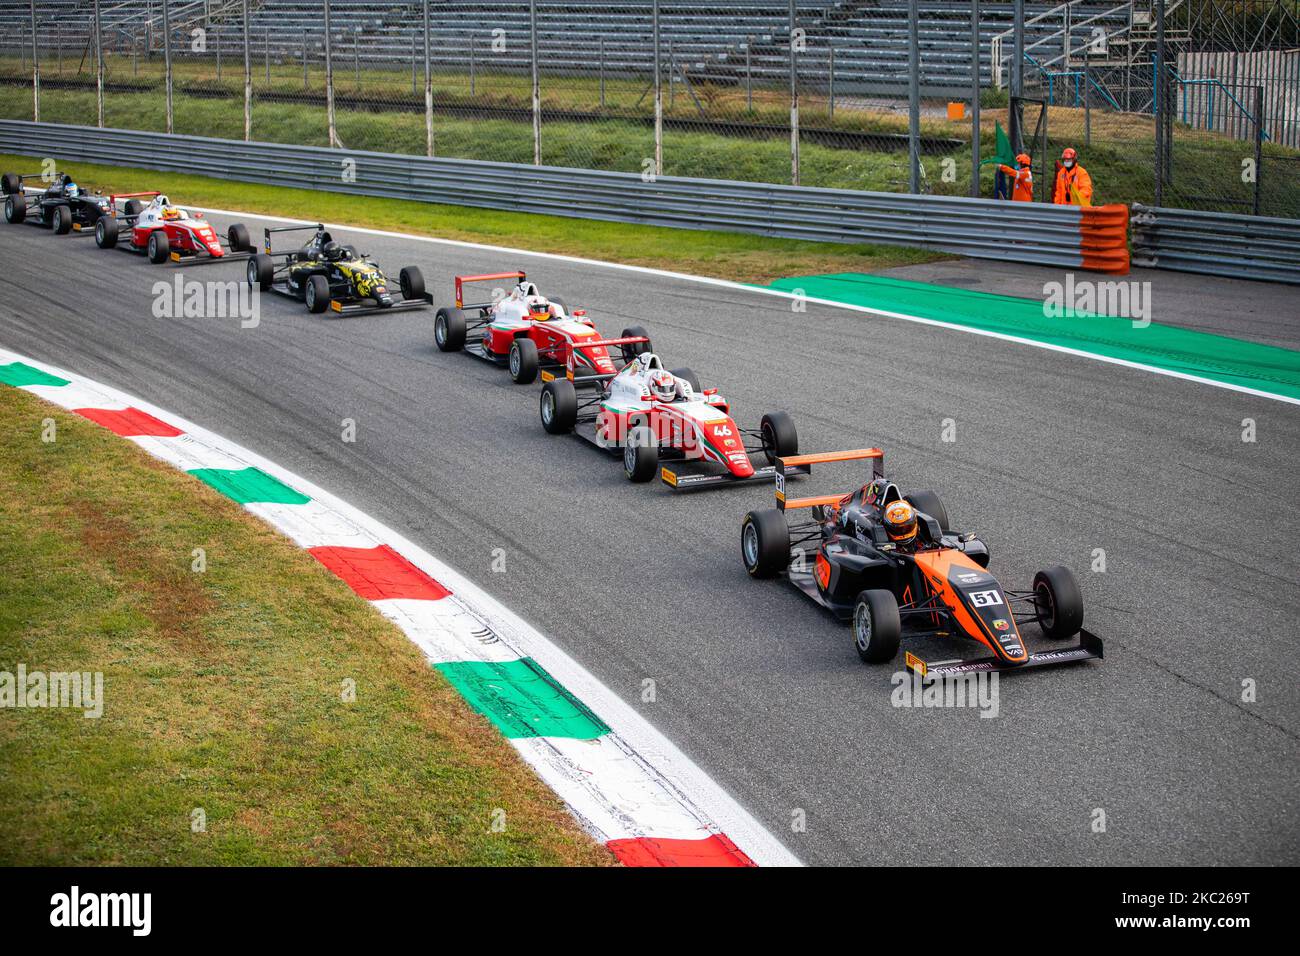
(1117, 150)
(724, 255)
(222, 689)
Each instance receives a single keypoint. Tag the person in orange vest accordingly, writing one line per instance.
(1023, 177)
(1073, 184)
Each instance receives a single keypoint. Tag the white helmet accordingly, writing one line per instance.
(663, 385)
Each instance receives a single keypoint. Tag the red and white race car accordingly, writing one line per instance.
(165, 231)
(648, 413)
(528, 332)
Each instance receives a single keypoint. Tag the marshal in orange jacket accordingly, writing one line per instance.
(1081, 182)
(1023, 191)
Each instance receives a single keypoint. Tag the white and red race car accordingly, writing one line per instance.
(528, 332)
(648, 413)
(165, 231)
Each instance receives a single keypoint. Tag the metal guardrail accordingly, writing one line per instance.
(1027, 232)
(1218, 244)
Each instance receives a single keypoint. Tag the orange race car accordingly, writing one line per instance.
(889, 565)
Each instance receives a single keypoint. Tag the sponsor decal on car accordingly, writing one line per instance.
(1001, 624)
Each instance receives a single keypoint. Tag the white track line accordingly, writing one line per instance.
(646, 748)
(740, 286)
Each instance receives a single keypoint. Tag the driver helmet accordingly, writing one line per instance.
(71, 190)
(900, 522)
(333, 250)
(663, 386)
(171, 212)
(538, 308)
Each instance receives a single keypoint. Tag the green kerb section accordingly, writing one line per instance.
(247, 485)
(18, 374)
(522, 699)
(1268, 368)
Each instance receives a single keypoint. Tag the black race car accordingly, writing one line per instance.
(62, 206)
(328, 275)
(890, 565)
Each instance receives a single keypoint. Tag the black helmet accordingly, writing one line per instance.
(333, 250)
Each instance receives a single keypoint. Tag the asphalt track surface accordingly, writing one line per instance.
(1055, 456)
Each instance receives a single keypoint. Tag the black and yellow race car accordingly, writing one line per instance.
(889, 565)
(330, 276)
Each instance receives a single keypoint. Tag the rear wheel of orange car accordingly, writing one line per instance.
(877, 628)
(765, 543)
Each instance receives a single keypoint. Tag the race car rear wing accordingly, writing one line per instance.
(266, 235)
(594, 343)
(114, 197)
(801, 464)
(487, 277)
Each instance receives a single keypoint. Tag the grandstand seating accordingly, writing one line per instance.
(708, 39)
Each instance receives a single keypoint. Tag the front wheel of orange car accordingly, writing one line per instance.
(1058, 602)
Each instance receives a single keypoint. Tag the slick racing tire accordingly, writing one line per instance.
(133, 207)
(11, 184)
(106, 232)
(640, 455)
(260, 271)
(556, 300)
(158, 247)
(780, 438)
(691, 377)
(636, 348)
(765, 543)
(237, 236)
(317, 294)
(928, 503)
(411, 280)
(559, 406)
(1058, 602)
(877, 627)
(15, 207)
(523, 361)
(449, 330)
(61, 220)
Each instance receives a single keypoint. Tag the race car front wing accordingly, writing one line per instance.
(1089, 648)
(680, 481)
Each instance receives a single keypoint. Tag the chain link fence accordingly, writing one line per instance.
(811, 92)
